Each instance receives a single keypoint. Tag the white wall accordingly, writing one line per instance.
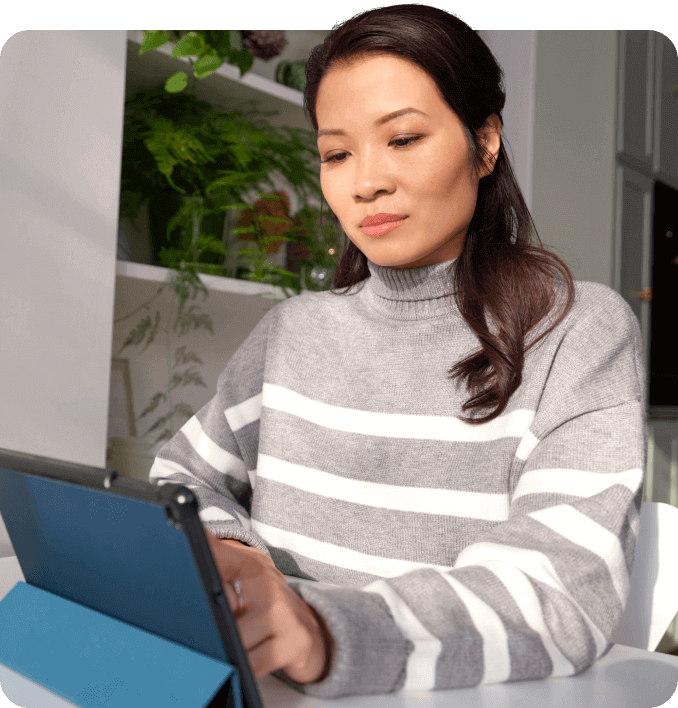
(516, 52)
(574, 149)
(559, 121)
(61, 112)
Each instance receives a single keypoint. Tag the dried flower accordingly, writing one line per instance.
(264, 44)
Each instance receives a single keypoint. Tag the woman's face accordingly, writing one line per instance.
(379, 158)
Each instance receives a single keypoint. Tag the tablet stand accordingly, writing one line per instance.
(91, 659)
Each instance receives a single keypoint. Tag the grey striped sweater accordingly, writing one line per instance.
(440, 554)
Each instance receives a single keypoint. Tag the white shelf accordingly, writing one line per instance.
(159, 274)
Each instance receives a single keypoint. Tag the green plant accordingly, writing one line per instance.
(211, 159)
(212, 47)
(198, 163)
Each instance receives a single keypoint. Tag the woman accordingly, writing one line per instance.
(388, 522)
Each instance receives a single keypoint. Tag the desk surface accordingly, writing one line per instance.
(623, 678)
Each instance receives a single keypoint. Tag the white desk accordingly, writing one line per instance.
(623, 678)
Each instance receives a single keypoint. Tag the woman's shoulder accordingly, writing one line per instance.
(308, 306)
(597, 301)
(598, 314)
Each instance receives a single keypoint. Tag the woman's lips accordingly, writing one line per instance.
(381, 229)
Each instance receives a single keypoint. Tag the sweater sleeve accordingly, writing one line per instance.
(214, 453)
(541, 593)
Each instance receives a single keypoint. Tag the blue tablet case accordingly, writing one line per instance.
(91, 659)
(122, 604)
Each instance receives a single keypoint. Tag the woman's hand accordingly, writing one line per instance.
(277, 628)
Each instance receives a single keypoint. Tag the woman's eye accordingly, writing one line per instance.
(398, 142)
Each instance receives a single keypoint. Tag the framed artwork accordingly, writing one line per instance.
(120, 413)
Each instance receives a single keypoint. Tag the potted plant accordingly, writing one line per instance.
(193, 165)
(205, 176)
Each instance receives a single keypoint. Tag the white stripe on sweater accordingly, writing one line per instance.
(422, 500)
(578, 483)
(391, 425)
(167, 468)
(244, 413)
(532, 563)
(215, 456)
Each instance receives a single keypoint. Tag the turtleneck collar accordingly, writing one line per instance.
(410, 293)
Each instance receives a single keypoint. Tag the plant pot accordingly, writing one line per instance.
(292, 74)
(131, 457)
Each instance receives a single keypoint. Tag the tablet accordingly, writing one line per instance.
(129, 549)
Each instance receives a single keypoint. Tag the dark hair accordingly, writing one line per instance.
(500, 271)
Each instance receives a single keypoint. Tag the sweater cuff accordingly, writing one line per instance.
(224, 531)
(371, 652)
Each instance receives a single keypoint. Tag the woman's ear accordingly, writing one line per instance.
(490, 135)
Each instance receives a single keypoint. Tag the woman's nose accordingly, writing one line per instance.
(373, 176)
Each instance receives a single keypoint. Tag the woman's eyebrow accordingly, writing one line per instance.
(379, 121)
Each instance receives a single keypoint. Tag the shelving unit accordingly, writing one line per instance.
(235, 306)
(224, 89)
